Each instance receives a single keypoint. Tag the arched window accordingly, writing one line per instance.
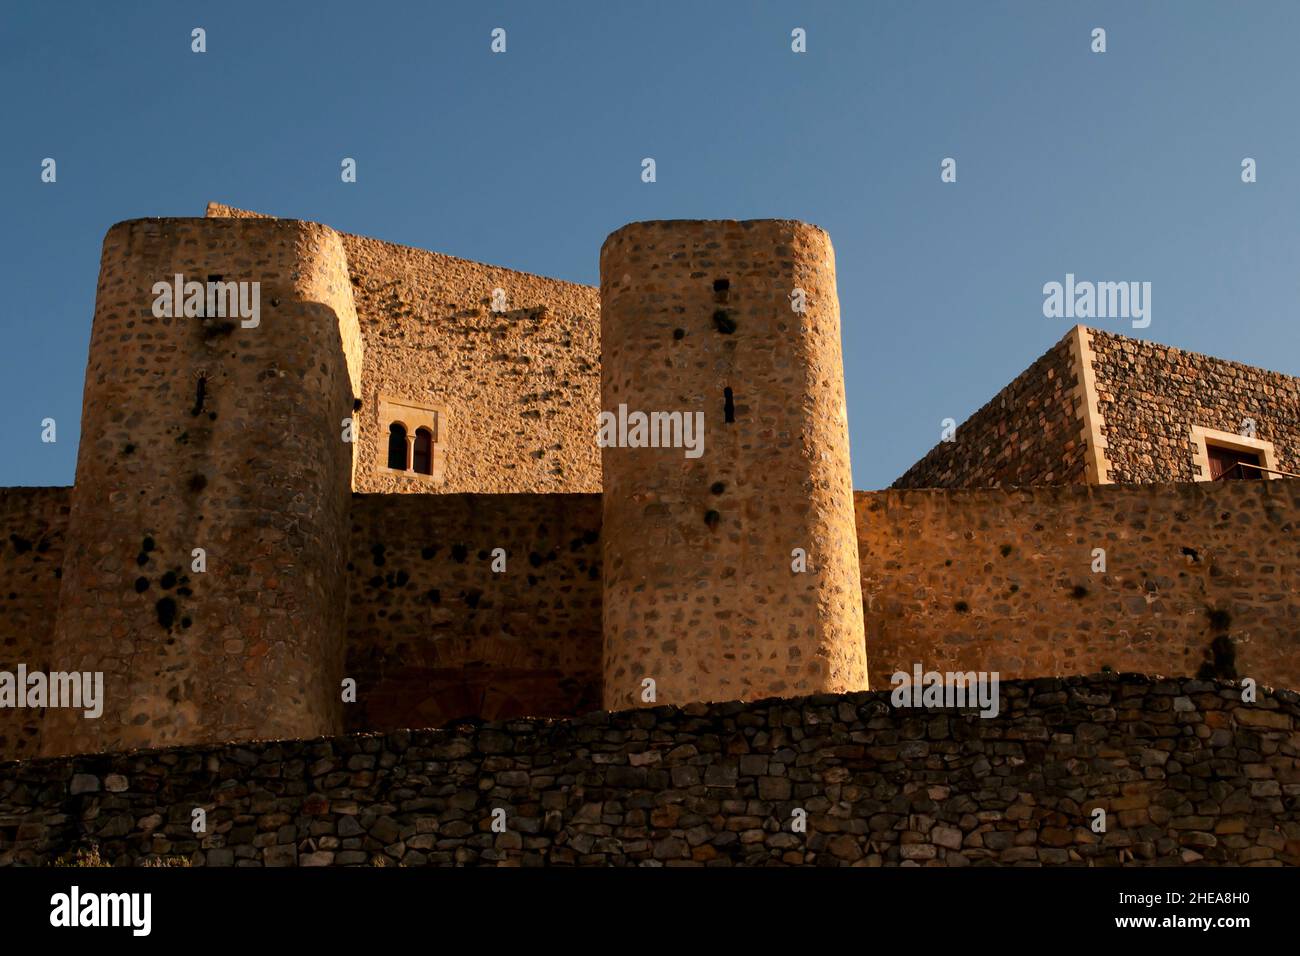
(422, 456)
(417, 436)
(397, 446)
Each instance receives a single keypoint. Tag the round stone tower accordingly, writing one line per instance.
(210, 513)
(730, 557)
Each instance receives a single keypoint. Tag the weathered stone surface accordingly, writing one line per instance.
(1011, 790)
(696, 322)
(33, 522)
(1150, 395)
(157, 454)
(527, 642)
(984, 579)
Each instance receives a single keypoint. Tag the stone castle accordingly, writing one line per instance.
(379, 500)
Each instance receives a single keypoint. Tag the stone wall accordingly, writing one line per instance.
(1150, 396)
(518, 391)
(434, 633)
(1199, 577)
(701, 592)
(1185, 771)
(32, 526)
(1030, 433)
(520, 388)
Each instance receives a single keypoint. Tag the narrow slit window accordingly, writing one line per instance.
(728, 405)
(397, 446)
(422, 454)
(200, 395)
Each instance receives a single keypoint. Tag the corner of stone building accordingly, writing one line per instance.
(1096, 465)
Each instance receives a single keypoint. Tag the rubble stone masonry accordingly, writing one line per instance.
(1151, 395)
(435, 633)
(517, 390)
(1186, 772)
(702, 594)
(1199, 577)
(33, 522)
(202, 433)
(1100, 407)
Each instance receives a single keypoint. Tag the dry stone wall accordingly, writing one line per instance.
(32, 526)
(1150, 396)
(1186, 773)
(1198, 578)
(435, 633)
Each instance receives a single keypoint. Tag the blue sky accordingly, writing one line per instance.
(1116, 166)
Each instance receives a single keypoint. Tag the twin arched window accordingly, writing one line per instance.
(407, 454)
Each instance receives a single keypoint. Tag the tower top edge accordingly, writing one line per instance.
(743, 224)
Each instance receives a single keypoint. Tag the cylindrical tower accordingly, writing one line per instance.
(209, 523)
(731, 564)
